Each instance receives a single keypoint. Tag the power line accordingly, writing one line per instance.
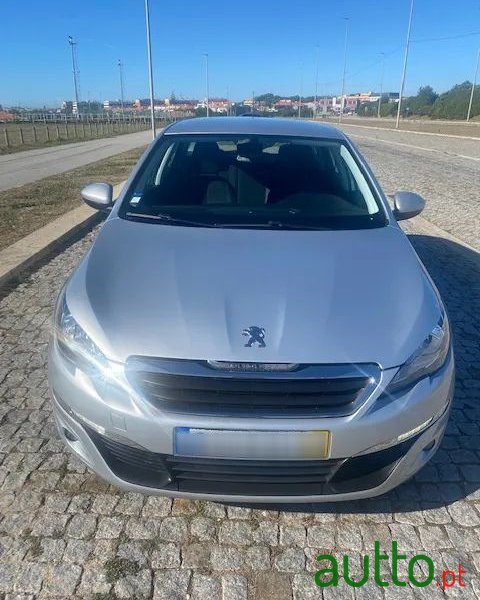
(448, 37)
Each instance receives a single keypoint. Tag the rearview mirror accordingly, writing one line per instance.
(98, 195)
(407, 205)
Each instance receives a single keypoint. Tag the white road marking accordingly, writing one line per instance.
(365, 137)
(399, 131)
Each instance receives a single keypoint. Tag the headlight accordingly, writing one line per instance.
(430, 357)
(75, 345)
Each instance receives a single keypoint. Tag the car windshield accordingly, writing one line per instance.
(252, 181)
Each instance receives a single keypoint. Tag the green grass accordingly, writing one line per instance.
(29, 207)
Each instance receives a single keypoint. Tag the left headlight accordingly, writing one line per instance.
(430, 357)
(75, 345)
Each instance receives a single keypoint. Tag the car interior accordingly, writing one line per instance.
(252, 173)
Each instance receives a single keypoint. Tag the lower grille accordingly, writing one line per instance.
(251, 477)
(248, 477)
(214, 476)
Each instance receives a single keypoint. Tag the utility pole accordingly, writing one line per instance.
(342, 101)
(382, 70)
(150, 69)
(405, 61)
(207, 83)
(473, 86)
(316, 83)
(122, 99)
(73, 45)
(301, 92)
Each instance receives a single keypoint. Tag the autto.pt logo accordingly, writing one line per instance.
(420, 570)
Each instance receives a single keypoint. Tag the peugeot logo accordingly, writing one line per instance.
(256, 336)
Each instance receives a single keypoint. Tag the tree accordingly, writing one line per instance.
(454, 103)
(367, 109)
(422, 103)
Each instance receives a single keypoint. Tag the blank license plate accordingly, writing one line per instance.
(222, 443)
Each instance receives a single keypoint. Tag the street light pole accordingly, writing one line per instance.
(73, 43)
(473, 86)
(207, 83)
(316, 83)
(122, 99)
(405, 61)
(342, 101)
(150, 69)
(381, 84)
(301, 92)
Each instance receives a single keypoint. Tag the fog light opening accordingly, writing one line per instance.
(71, 437)
(430, 446)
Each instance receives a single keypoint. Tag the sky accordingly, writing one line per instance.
(253, 46)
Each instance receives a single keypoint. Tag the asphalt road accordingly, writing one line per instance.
(32, 165)
(65, 534)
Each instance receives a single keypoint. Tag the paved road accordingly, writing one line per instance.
(444, 170)
(31, 165)
(461, 128)
(65, 534)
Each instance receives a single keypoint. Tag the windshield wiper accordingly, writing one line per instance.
(168, 219)
(273, 225)
(267, 225)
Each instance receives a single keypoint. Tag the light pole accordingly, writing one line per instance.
(405, 61)
(473, 86)
(382, 70)
(73, 44)
(207, 83)
(342, 101)
(316, 82)
(122, 99)
(150, 68)
(301, 92)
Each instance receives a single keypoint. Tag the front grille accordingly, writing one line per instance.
(195, 387)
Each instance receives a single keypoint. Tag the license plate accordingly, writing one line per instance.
(280, 445)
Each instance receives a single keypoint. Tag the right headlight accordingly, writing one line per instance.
(75, 345)
(427, 359)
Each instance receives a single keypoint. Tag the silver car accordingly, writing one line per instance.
(251, 323)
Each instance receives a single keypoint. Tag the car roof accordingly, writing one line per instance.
(254, 125)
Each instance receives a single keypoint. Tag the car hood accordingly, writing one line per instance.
(187, 292)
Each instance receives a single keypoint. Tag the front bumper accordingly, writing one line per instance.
(130, 444)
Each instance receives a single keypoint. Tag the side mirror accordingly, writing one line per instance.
(98, 196)
(407, 205)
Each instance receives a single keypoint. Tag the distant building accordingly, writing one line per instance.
(216, 105)
(5, 115)
(284, 103)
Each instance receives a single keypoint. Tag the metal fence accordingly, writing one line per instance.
(38, 131)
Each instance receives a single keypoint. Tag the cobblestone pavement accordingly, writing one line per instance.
(64, 533)
(431, 142)
(449, 183)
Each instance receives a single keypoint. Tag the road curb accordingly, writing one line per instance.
(19, 259)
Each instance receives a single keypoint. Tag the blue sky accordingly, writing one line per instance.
(252, 46)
